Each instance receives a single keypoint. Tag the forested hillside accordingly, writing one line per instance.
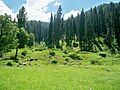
(93, 29)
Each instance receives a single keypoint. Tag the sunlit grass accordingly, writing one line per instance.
(60, 77)
(40, 74)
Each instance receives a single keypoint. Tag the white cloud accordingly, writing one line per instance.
(57, 4)
(72, 12)
(4, 9)
(37, 9)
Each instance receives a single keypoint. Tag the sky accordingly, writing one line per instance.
(42, 9)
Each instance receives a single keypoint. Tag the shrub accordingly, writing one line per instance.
(67, 59)
(59, 47)
(33, 59)
(51, 46)
(1, 55)
(75, 56)
(103, 55)
(52, 53)
(12, 58)
(24, 53)
(39, 49)
(95, 62)
(9, 63)
(75, 44)
(53, 62)
(66, 52)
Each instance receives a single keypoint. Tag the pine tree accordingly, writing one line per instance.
(22, 17)
(81, 29)
(89, 31)
(67, 33)
(110, 39)
(101, 21)
(50, 41)
(62, 31)
(95, 22)
(57, 24)
(117, 24)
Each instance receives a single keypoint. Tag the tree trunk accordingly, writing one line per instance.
(16, 54)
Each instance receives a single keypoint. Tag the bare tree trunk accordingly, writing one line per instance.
(16, 54)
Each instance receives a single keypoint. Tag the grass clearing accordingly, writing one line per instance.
(60, 77)
(39, 74)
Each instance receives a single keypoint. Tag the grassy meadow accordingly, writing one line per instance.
(39, 70)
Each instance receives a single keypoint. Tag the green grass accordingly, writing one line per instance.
(41, 75)
(60, 77)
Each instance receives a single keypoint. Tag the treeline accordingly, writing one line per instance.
(89, 30)
(39, 29)
(13, 34)
(102, 22)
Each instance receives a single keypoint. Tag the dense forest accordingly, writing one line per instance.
(100, 25)
(91, 30)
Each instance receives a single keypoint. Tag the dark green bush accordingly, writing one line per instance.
(67, 59)
(39, 49)
(65, 51)
(75, 44)
(52, 53)
(33, 59)
(12, 58)
(24, 53)
(9, 63)
(59, 47)
(103, 55)
(95, 62)
(75, 56)
(53, 62)
(1, 55)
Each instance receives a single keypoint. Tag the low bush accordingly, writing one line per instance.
(59, 47)
(1, 55)
(24, 53)
(52, 53)
(67, 59)
(53, 62)
(75, 44)
(65, 52)
(39, 49)
(33, 59)
(95, 62)
(75, 56)
(9, 63)
(103, 55)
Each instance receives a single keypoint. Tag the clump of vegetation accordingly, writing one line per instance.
(11, 58)
(95, 62)
(59, 46)
(9, 63)
(65, 52)
(75, 44)
(67, 59)
(75, 56)
(53, 62)
(33, 59)
(52, 53)
(1, 55)
(24, 53)
(31, 40)
(39, 49)
(103, 55)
